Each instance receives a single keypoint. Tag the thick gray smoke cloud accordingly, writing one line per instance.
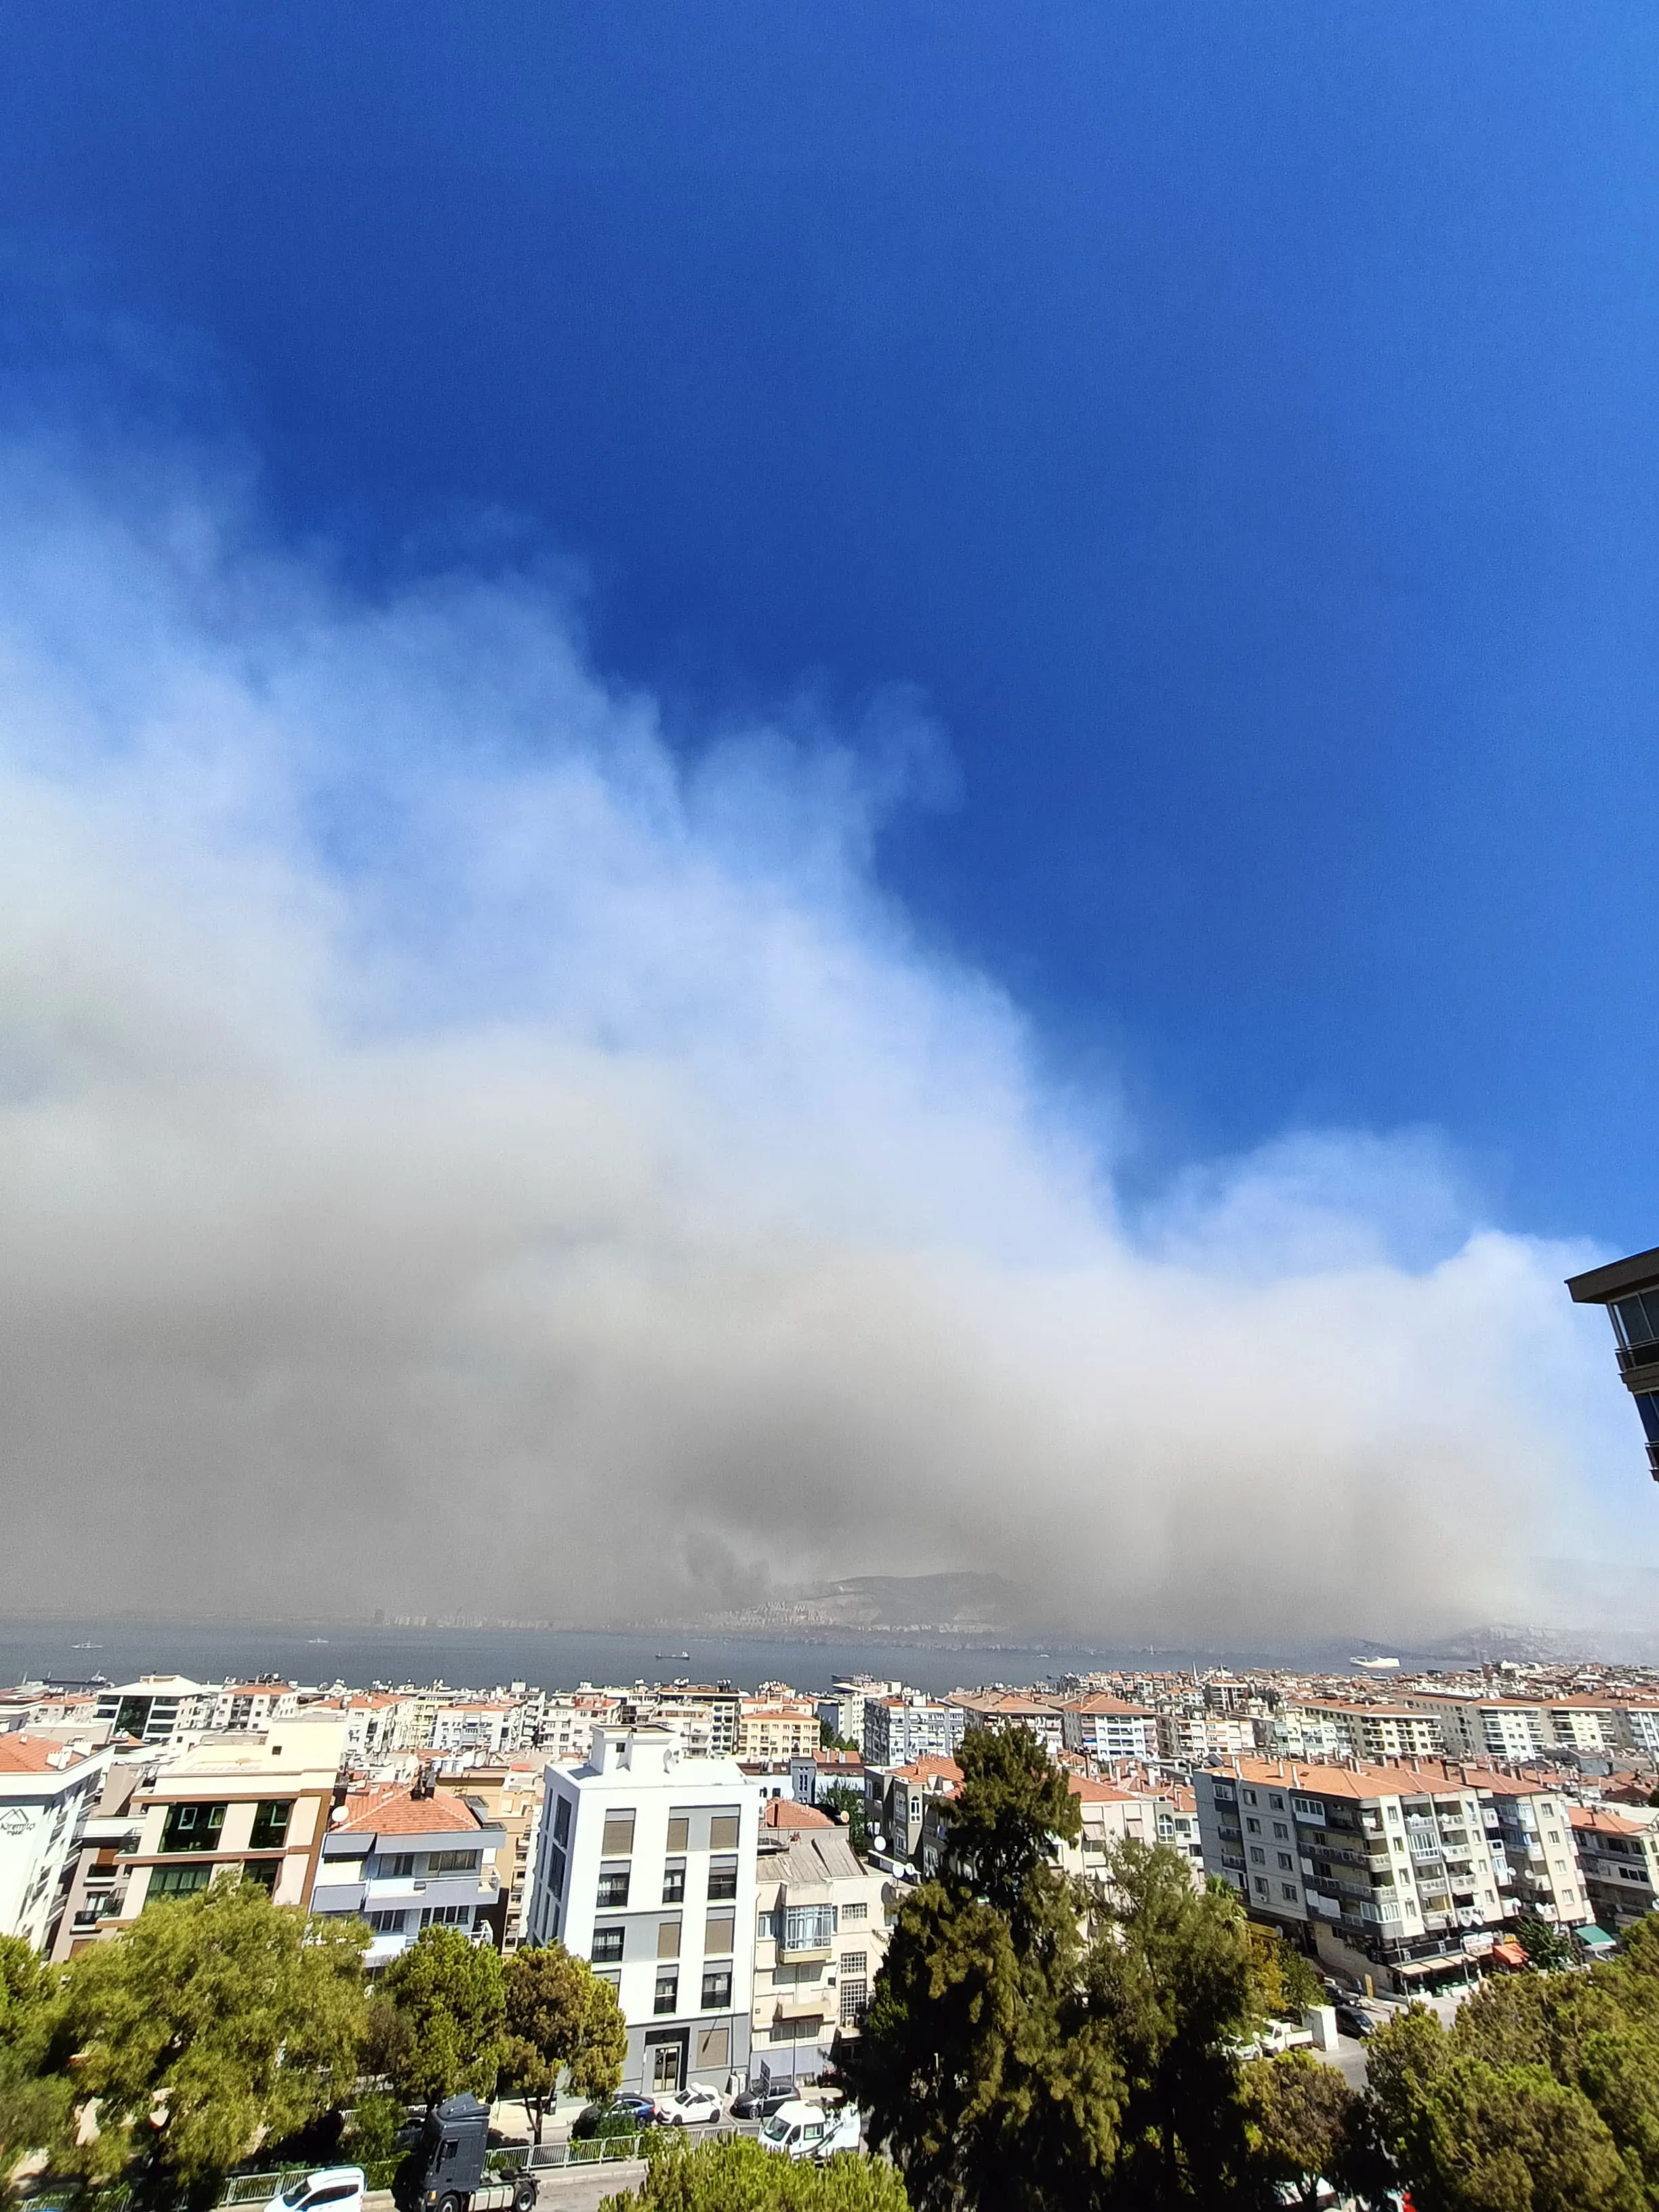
(454, 1154)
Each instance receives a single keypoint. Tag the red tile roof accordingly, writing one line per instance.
(23, 1754)
(390, 1809)
(784, 1813)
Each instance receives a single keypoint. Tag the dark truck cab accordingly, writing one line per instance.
(445, 2171)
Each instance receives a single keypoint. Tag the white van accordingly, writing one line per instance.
(802, 2131)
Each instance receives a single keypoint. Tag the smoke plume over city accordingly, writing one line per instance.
(462, 1151)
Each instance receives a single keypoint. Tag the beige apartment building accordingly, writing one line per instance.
(1366, 1731)
(257, 1804)
(821, 1935)
(1618, 1848)
(776, 1729)
(507, 1797)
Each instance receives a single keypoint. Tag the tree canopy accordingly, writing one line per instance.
(741, 2176)
(213, 2020)
(561, 2020)
(451, 1996)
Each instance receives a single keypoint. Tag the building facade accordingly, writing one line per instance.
(821, 1934)
(158, 1708)
(645, 1865)
(47, 1789)
(408, 1858)
(903, 1728)
(1629, 1288)
(1110, 1729)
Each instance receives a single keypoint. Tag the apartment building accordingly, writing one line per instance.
(645, 1864)
(810, 1772)
(567, 1722)
(716, 1703)
(1038, 1715)
(776, 1729)
(1193, 1739)
(1390, 1864)
(1617, 1849)
(506, 1795)
(901, 1728)
(1331, 1725)
(821, 1934)
(47, 1789)
(490, 1727)
(240, 1708)
(258, 1804)
(1110, 1729)
(898, 1798)
(158, 1708)
(408, 1857)
(96, 1882)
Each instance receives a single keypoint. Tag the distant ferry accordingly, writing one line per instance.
(1377, 1666)
(86, 1647)
(673, 1655)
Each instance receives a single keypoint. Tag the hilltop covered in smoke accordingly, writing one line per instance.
(461, 1151)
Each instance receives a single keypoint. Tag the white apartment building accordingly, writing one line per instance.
(567, 1721)
(240, 1706)
(46, 1790)
(158, 1708)
(1638, 1727)
(645, 1864)
(1618, 1848)
(1110, 1729)
(901, 1728)
(1395, 1862)
(1193, 1739)
(257, 1803)
(488, 1726)
(821, 1935)
(405, 1857)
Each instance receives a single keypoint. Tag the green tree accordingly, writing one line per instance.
(450, 1992)
(1283, 1985)
(1013, 1806)
(1546, 1946)
(828, 1741)
(1170, 1974)
(842, 1802)
(560, 2019)
(214, 2020)
(1302, 2119)
(1468, 2135)
(35, 2099)
(741, 2176)
(376, 2121)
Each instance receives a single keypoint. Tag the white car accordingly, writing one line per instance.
(339, 2187)
(688, 2108)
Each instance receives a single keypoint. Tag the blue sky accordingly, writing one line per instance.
(1237, 424)
(1049, 615)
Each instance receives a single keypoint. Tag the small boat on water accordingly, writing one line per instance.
(673, 1655)
(1376, 1666)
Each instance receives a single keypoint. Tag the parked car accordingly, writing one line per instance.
(340, 2187)
(624, 2105)
(761, 2104)
(1352, 2022)
(688, 2108)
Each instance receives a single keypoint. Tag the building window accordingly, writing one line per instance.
(679, 1833)
(271, 1824)
(453, 1862)
(192, 1827)
(809, 1927)
(263, 1871)
(445, 1916)
(1287, 1890)
(668, 1939)
(561, 1821)
(387, 1923)
(392, 1866)
(1287, 1863)
(723, 1832)
(613, 1887)
(722, 1879)
(768, 1926)
(667, 1995)
(854, 1912)
(1282, 1832)
(1254, 1826)
(176, 1881)
(1258, 1856)
(607, 1943)
(666, 2062)
(674, 1883)
(1262, 1888)
(855, 2003)
(613, 1978)
(719, 1932)
(618, 1839)
(855, 1962)
(717, 1988)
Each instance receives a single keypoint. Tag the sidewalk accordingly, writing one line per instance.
(561, 2189)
